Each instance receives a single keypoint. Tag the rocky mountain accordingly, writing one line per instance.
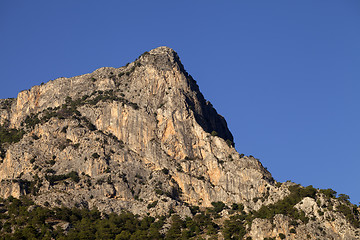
(142, 138)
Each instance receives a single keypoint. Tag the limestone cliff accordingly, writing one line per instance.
(139, 137)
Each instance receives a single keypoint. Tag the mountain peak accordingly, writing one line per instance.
(152, 106)
(162, 50)
(142, 138)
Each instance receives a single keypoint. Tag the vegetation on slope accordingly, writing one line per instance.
(69, 109)
(21, 219)
(9, 135)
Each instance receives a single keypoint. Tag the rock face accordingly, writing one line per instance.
(140, 137)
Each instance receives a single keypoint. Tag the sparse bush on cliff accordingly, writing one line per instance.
(237, 207)
(10, 135)
(286, 205)
(351, 214)
(52, 179)
(69, 108)
(229, 143)
(6, 104)
(153, 204)
(214, 133)
(328, 193)
(218, 206)
(32, 120)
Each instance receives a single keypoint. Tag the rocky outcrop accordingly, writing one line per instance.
(155, 109)
(139, 137)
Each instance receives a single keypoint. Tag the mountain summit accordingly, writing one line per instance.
(142, 138)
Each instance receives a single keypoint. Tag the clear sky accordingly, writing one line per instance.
(285, 74)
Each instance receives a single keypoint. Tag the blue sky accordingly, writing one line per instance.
(284, 74)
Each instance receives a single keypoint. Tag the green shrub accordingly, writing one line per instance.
(10, 135)
(218, 206)
(179, 167)
(286, 205)
(351, 214)
(202, 178)
(100, 181)
(229, 143)
(159, 191)
(138, 176)
(35, 137)
(344, 197)
(52, 179)
(62, 146)
(234, 228)
(194, 209)
(32, 120)
(133, 105)
(7, 103)
(74, 176)
(64, 129)
(328, 192)
(282, 236)
(49, 170)
(174, 231)
(152, 205)
(238, 207)
(68, 100)
(52, 162)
